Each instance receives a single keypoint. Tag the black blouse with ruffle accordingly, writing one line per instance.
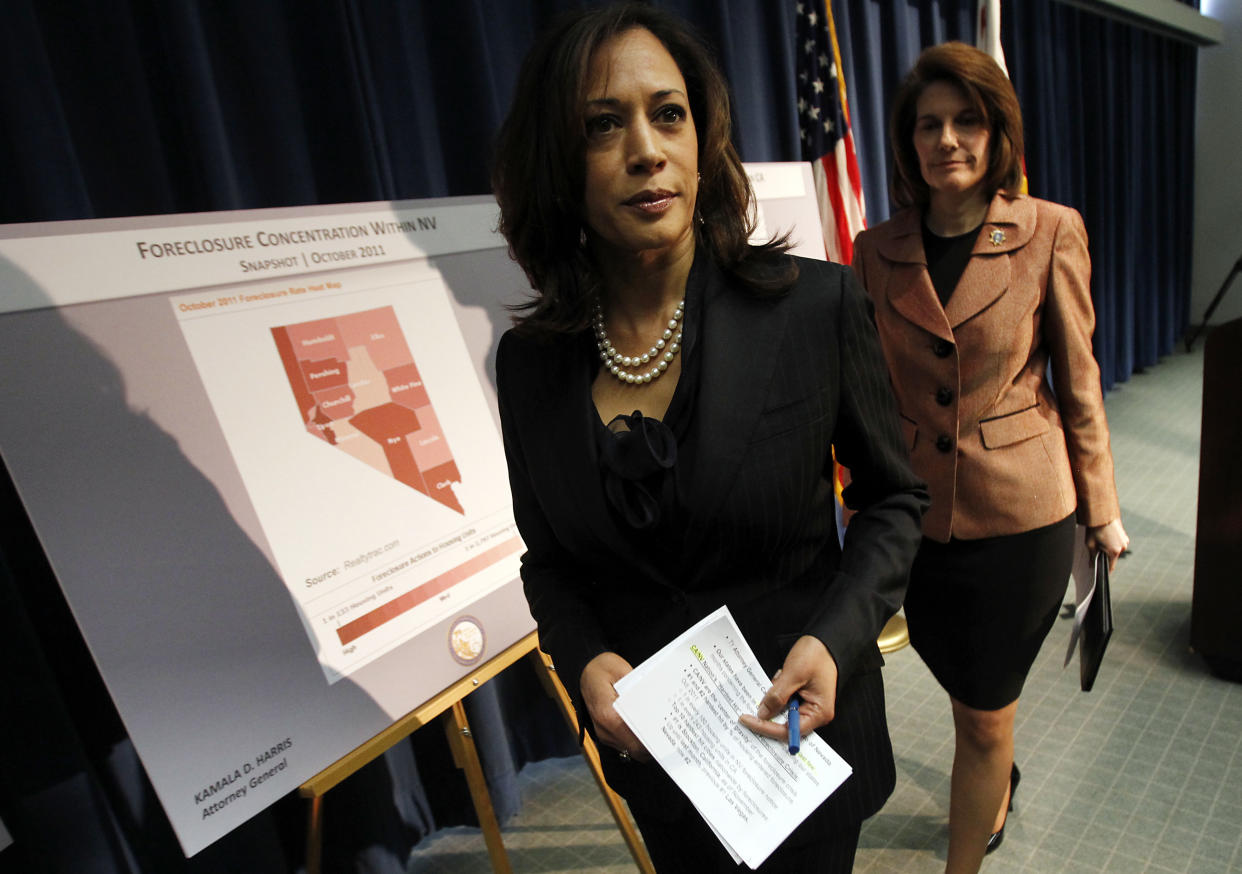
(644, 462)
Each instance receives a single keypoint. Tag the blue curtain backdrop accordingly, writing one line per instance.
(129, 107)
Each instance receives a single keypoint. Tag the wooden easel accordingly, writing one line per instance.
(448, 705)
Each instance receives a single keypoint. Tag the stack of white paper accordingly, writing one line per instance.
(1082, 572)
(683, 703)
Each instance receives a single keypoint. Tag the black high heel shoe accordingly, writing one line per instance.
(994, 840)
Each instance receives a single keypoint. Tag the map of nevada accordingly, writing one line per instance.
(357, 387)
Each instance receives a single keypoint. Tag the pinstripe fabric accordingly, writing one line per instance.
(782, 380)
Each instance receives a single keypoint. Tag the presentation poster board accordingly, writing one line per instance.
(261, 452)
(785, 193)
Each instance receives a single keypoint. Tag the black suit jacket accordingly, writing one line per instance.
(783, 379)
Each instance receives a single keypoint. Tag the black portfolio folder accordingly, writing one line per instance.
(1097, 624)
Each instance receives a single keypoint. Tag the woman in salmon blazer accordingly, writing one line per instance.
(980, 292)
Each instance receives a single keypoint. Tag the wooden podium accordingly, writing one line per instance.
(1215, 608)
(447, 706)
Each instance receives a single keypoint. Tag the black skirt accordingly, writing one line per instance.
(978, 610)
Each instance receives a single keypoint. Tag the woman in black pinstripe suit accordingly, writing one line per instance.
(669, 400)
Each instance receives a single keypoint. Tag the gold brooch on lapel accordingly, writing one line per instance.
(997, 237)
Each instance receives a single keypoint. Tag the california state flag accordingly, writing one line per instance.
(988, 39)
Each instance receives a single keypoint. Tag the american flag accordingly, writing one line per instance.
(824, 121)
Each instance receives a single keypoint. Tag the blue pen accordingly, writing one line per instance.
(795, 734)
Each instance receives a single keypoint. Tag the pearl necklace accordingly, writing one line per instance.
(660, 356)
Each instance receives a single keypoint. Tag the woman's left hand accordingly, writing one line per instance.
(1111, 539)
(811, 672)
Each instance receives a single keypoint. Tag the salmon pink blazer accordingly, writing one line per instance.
(1002, 448)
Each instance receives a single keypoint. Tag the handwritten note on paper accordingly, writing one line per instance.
(683, 704)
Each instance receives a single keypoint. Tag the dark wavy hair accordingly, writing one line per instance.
(988, 90)
(539, 167)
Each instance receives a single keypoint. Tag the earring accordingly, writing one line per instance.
(582, 238)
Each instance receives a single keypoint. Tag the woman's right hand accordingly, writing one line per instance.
(598, 694)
